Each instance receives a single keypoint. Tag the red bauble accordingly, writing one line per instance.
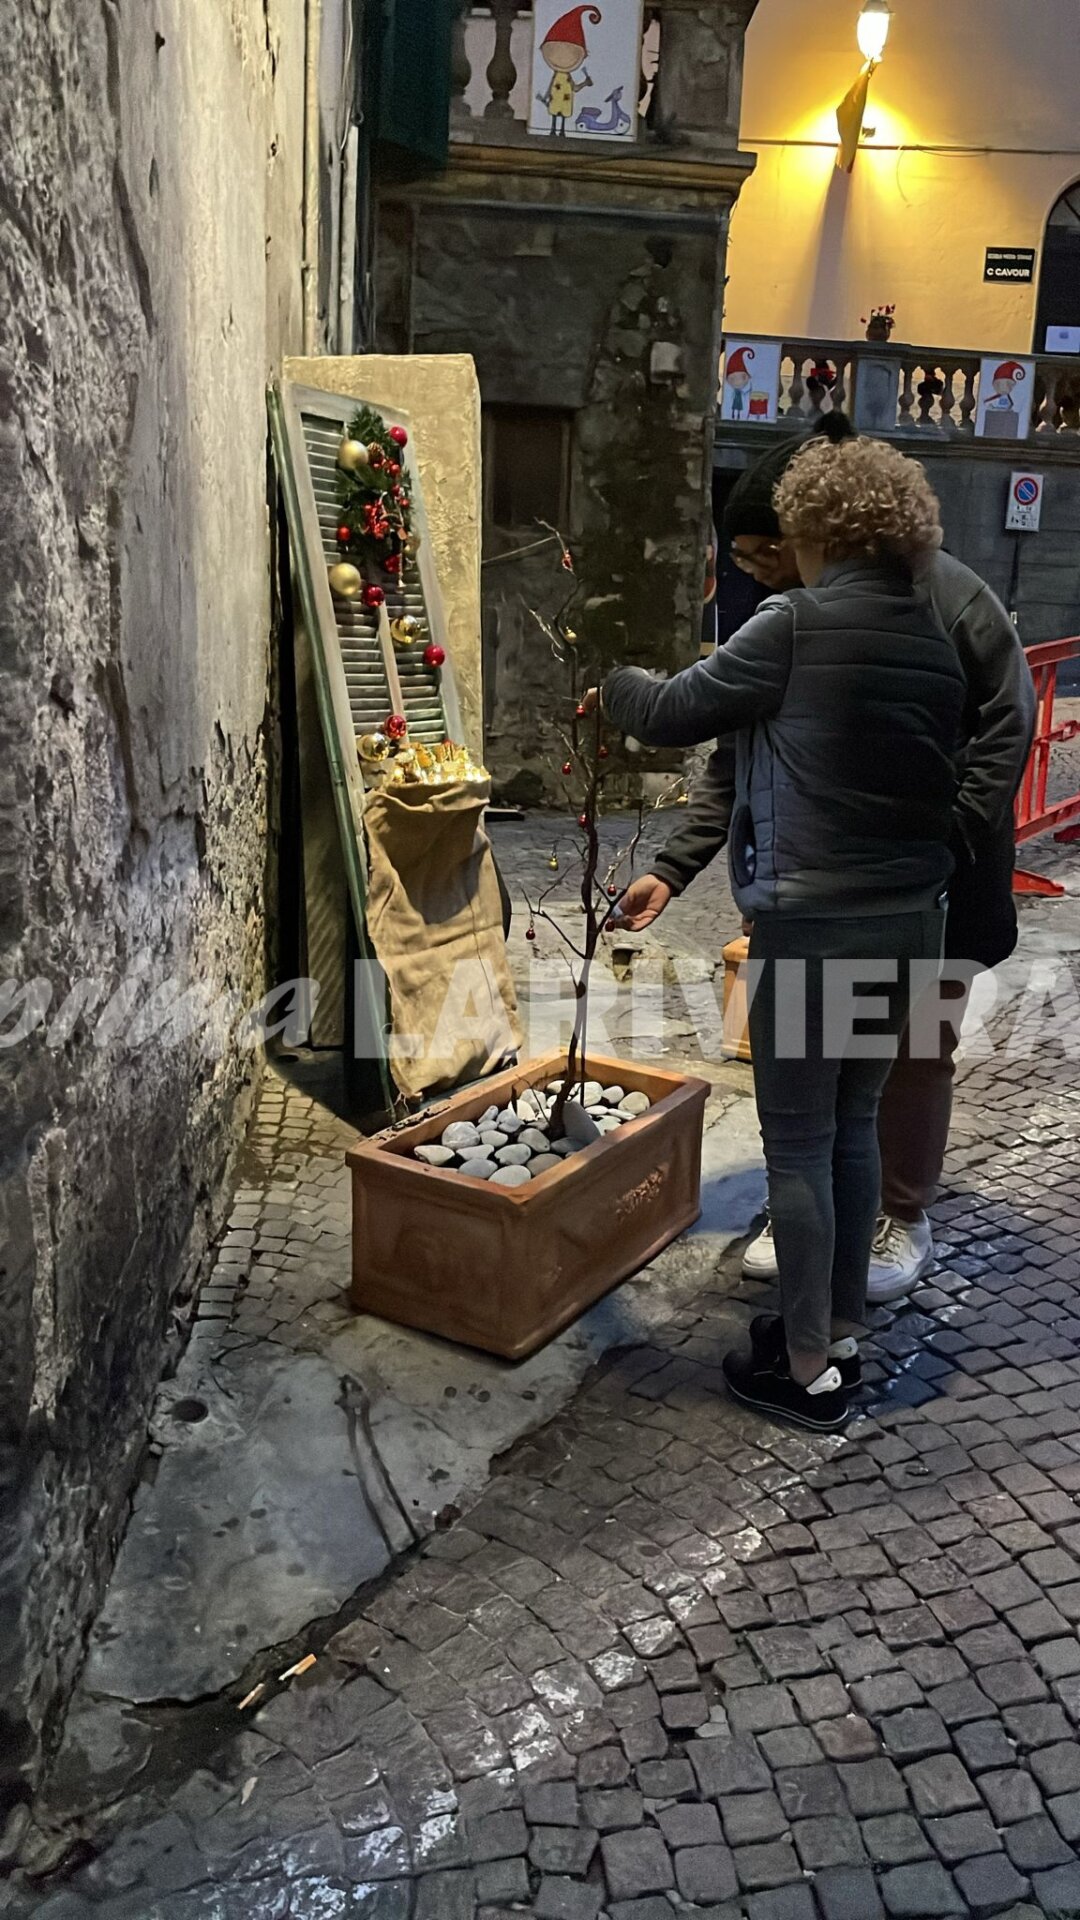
(601, 753)
(530, 933)
(393, 469)
(434, 656)
(580, 713)
(396, 727)
(613, 893)
(398, 494)
(344, 534)
(583, 819)
(392, 563)
(567, 766)
(399, 436)
(373, 596)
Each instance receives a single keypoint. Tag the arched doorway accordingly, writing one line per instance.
(1059, 282)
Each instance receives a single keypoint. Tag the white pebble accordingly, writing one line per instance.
(474, 1153)
(513, 1156)
(534, 1138)
(544, 1163)
(435, 1156)
(493, 1137)
(511, 1177)
(612, 1096)
(461, 1133)
(488, 1118)
(580, 1126)
(611, 1122)
(531, 1105)
(480, 1169)
(509, 1122)
(635, 1103)
(592, 1093)
(563, 1147)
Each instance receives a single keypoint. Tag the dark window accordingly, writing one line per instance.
(526, 465)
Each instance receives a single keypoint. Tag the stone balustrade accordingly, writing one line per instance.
(916, 390)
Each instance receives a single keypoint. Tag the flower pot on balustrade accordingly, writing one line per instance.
(506, 1268)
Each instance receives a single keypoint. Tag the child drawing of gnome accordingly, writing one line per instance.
(564, 51)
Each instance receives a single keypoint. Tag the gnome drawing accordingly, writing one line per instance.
(738, 377)
(1007, 376)
(563, 49)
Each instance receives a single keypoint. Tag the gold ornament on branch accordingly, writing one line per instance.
(345, 580)
(352, 456)
(373, 746)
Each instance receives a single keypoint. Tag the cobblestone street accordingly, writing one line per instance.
(677, 1660)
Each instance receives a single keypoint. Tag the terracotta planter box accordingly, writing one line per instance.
(506, 1268)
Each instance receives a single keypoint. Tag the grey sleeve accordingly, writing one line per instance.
(1001, 713)
(703, 827)
(743, 681)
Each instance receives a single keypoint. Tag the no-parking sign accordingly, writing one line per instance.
(1025, 503)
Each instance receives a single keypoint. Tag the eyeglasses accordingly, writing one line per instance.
(748, 561)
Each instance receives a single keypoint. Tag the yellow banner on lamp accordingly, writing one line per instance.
(849, 120)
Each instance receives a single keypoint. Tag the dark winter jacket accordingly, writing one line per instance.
(998, 723)
(847, 705)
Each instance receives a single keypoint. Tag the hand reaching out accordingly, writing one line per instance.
(642, 903)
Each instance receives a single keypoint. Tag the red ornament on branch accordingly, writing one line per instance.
(396, 727)
(399, 436)
(344, 534)
(580, 711)
(583, 819)
(434, 656)
(394, 469)
(601, 753)
(567, 766)
(373, 596)
(392, 563)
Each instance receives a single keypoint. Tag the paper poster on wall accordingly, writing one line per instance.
(1005, 390)
(586, 70)
(751, 381)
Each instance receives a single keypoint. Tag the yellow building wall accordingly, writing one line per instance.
(976, 116)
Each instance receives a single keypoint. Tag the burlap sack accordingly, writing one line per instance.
(434, 918)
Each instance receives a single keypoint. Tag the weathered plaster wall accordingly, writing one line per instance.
(150, 267)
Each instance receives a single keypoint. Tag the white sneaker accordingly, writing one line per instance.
(901, 1254)
(759, 1259)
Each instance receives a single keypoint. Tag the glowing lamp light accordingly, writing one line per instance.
(873, 29)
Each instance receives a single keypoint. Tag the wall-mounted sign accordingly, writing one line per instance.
(1009, 263)
(586, 70)
(1063, 339)
(751, 381)
(1025, 503)
(1005, 390)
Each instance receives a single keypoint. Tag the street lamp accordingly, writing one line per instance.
(872, 31)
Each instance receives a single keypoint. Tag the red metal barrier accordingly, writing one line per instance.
(1033, 814)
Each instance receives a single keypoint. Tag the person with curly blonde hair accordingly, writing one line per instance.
(842, 702)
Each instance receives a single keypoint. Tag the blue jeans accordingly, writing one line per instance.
(818, 1105)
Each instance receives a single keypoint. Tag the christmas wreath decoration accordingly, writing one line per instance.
(374, 489)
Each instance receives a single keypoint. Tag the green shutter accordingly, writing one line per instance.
(411, 79)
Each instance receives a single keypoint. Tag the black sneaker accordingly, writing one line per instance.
(769, 1388)
(769, 1345)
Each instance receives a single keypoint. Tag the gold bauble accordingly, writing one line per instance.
(346, 581)
(352, 455)
(405, 629)
(373, 746)
(413, 542)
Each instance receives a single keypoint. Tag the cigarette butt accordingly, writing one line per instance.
(249, 1699)
(302, 1666)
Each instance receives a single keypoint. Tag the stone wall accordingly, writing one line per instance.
(150, 266)
(588, 281)
(589, 311)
